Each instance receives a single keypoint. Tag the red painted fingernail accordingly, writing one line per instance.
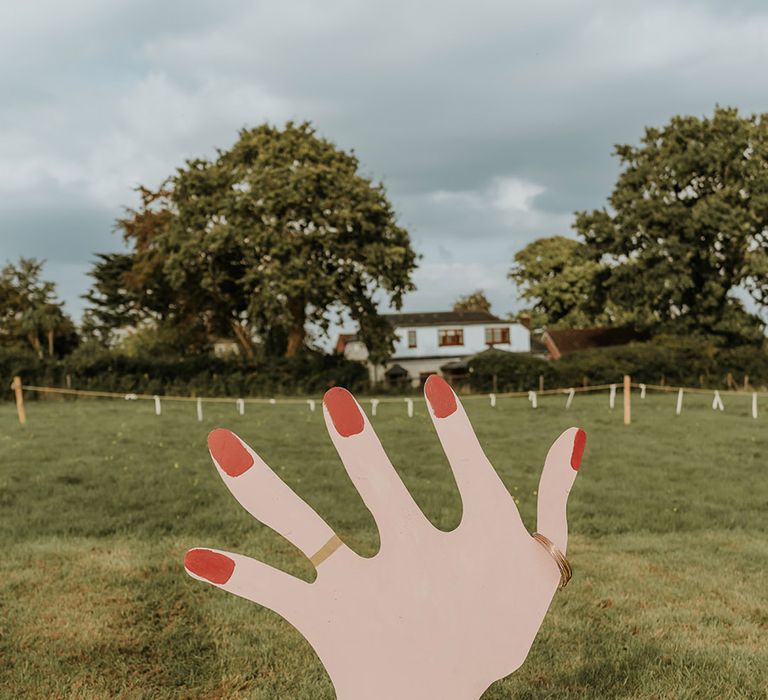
(211, 566)
(440, 396)
(579, 442)
(229, 452)
(345, 414)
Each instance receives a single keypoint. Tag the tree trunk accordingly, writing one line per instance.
(35, 342)
(244, 338)
(50, 342)
(296, 333)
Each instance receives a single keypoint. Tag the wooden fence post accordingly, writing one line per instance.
(541, 383)
(627, 404)
(17, 390)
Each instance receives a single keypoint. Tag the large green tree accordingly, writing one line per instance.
(30, 311)
(269, 238)
(687, 227)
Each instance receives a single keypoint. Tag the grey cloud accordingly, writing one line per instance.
(434, 97)
(56, 234)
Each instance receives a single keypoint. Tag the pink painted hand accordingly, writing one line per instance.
(433, 614)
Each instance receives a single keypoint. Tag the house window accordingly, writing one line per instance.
(411, 339)
(496, 335)
(450, 336)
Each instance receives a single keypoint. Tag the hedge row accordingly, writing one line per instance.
(308, 373)
(689, 362)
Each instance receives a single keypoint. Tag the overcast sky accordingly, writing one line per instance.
(490, 123)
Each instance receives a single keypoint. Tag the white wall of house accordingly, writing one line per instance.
(474, 340)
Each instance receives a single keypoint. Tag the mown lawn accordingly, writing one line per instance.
(100, 499)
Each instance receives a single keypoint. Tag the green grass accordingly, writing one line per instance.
(99, 500)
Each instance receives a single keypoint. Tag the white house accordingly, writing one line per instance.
(439, 343)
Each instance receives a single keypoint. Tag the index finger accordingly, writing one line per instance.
(265, 495)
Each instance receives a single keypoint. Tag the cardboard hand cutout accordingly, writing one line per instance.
(433, 614)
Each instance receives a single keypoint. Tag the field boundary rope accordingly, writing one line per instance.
(533, 395)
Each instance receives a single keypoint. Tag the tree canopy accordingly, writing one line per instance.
(476, 301)
(30, 311)
(688, 224)
(268, 239)
(558, 276)
(682, 240)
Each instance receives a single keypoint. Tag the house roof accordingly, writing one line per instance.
(343, 339)
(396, 371)
(441, 318)
(456, 365)
(566, 341)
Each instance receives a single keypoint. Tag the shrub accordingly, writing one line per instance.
(96, 368)
(682, 361)
(688, 361)
(745, 361)
(498, 370)
(685, 364)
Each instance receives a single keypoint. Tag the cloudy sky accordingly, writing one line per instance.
(489, 122)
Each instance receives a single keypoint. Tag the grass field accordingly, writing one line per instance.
(99, 500)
